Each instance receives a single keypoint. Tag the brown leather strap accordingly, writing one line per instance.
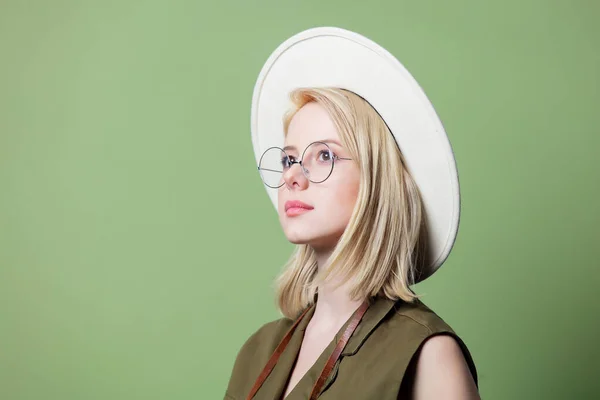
(356, 318)
(338, 350)
(274, 357)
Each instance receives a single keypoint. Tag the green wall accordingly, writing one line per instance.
(138, 246)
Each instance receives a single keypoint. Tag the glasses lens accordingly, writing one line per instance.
(271, 167)
(318, 162)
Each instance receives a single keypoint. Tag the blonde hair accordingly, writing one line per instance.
(382, 248)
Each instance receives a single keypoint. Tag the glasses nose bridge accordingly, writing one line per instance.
(299, 162)
(302, 169)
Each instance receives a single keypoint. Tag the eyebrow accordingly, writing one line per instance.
(324, 141)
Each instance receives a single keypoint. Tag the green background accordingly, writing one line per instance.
(138, 245)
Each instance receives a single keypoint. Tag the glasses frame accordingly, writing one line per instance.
(299, 162)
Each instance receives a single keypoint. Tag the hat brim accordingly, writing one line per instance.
(335, 57)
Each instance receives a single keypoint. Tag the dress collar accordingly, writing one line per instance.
(379, 308)
(277, 381)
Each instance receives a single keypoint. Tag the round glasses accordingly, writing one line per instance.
(317, 164)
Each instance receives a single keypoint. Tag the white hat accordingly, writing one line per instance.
(335, 57)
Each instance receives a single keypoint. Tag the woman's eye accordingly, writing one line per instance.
(325, 156)
(286, 162)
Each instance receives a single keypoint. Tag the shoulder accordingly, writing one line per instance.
(268, 335)
(254, 354)
(419, 317)
(438, 351)
(262, 342)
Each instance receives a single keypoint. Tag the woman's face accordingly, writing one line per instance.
(331, 202)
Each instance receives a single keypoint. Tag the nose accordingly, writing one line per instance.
(294, 177)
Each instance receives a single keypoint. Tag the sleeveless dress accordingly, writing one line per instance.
(373, 364)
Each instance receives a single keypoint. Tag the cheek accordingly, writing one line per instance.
(341, 201)
(280, 201)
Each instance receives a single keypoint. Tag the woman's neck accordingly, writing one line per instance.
(334, 305)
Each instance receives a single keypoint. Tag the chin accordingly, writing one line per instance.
(310, 232)
(298, 241)
(298, 237)
(315, 240)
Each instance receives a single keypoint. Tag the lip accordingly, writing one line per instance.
(296, 207)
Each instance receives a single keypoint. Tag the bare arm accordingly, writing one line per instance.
(442, 372)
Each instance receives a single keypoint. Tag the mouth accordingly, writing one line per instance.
(293, 208)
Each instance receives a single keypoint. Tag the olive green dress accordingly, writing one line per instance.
(372, 365)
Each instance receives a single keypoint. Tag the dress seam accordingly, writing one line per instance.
(418, 322)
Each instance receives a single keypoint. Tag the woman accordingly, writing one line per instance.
(365, 184)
